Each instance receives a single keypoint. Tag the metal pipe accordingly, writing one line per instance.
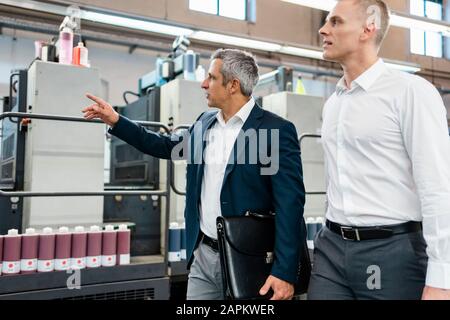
(314, 136)
(308, 135)
(167, 220)
(81, 194)
(74, 119)
(172, 165)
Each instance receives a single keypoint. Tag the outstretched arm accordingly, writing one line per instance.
(146, 141)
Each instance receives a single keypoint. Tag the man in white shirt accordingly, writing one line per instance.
(387, 154)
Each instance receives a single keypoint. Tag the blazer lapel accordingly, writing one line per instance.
(238, 152)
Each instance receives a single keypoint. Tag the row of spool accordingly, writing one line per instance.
(63, 250)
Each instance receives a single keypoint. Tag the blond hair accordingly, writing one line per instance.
(378, 10)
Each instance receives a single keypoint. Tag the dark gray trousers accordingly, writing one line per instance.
(387, 269)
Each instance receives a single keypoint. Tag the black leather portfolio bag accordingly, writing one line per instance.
(246, 247)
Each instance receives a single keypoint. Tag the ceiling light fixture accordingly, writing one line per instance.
(398, 19)
(211, 37)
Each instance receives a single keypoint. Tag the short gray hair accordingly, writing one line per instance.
(240, 65)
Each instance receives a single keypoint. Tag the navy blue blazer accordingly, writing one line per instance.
(243, 188)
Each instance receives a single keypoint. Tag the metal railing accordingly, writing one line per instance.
(161, 193)
(313, 136)
(172, 175)
(183, 193)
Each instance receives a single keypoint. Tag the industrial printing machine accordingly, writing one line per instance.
(52, 171)
(52, 174)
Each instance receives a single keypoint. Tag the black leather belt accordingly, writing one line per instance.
(212, 243)
(371, 233)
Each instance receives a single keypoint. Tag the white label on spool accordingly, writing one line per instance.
(310, 244)
(62, 264)
(28, 264)
(175, 256)
(124, 259)
(109, 261)
(183, 254)
(46, 265)
(78, 263)
(94, 262)
(11, 267)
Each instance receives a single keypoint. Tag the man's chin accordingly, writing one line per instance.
(211, 104)
(329, 57)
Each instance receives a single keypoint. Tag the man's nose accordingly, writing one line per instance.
(324, 30)
(205, 84)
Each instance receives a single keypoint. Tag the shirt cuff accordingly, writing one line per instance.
(438, 275)
(112, 129)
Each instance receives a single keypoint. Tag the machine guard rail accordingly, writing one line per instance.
(314, 136)
(73, 194)
(182, 193)
(172, 174)
(162, 193)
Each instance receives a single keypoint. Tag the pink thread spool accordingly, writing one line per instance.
(94, 250)
(65, 46)
(46, 260)
(63, 249)
(11, 252)
(123, 245)
(30, 246)
(109, 246)
(79, 246)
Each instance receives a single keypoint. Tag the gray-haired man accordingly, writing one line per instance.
(217, 186)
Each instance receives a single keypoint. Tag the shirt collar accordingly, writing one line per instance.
(366, 79)
(242, 114)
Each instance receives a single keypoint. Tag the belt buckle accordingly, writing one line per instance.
(343, 229)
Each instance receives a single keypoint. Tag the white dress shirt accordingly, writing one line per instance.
(220, 140)
(387, 154)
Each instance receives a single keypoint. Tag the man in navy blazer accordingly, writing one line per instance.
(240, 158)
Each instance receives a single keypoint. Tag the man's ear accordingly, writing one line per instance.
(373, 21)
(235, 86)
(370, 31)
